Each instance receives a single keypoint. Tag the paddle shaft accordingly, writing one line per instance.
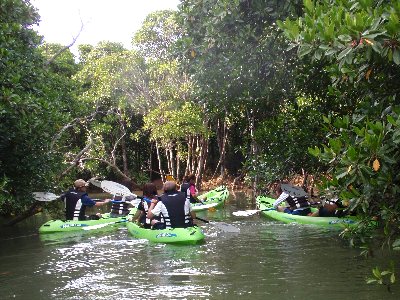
(201, 219)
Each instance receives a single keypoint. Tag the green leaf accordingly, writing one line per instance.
(352, 153)
(326, 119)
(345, 38)
(304, 50)
(391, 120)
(376, 272)
(392, 278)
(344, 53)
(396, 243)
(309, 5)
(396, 56)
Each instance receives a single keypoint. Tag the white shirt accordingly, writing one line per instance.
(282, 197)
(160, 208)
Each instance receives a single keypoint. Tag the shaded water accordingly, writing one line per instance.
(266, 260)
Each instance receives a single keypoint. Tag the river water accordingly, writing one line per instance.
(265, 260)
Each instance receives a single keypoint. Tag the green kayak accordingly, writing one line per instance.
(190, 235)
(264, 204)
(213, 198)
(71, 225)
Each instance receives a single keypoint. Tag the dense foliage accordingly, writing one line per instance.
(263, 90)
(31, 109)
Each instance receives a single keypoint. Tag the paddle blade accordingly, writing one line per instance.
(115, 188)
(292, 190)
(245, 213)
(95, 182)
(45, 196)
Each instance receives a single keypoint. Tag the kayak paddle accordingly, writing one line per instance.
(115, 188)
(92, 227)
(249, 212)
(45, 196)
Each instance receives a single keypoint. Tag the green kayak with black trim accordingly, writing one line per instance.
(213, 199)
(74, 225)
(189, 235)
(265, 205)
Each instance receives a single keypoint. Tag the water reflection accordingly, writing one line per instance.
(267, 259)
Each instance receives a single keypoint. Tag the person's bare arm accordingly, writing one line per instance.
(100, 203)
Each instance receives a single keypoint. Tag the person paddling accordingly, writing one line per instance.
(189, 188)
(331, 208)
(296, 204)
(174, 209)
(149, 200)
(76, 200)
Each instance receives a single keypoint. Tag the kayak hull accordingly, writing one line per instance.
(213, 199)
(185, 236)
(72, 225)
(264, 204)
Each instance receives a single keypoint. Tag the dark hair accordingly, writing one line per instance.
(191, 177)
(149, 189)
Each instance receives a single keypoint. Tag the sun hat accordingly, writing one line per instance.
(80, 183)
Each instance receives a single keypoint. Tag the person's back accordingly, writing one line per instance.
(76, 200)
(174, 208)
(331, 208)
(188, 187)
(297, 204)
(174, 215)
(74, 209)
(148, 201)
(119, 207)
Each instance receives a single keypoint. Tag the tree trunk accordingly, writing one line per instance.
(124, 157)
(253, 145)
(31, 211)
(168, 160)
(159, 162)
(172, 160)
(178, 164)
(200, 165)
(222, 136)
(189, 151)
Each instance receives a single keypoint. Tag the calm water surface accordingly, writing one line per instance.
(266, 260)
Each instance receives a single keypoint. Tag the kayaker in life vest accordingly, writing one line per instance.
(296, 205)
(174, 209)
(189, 188)
(120, 206)
(331, 208)
(76, 200)
(149, 200)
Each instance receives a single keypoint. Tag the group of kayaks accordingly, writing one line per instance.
(192, 235)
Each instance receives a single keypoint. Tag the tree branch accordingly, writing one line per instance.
(65, 47)
(77, 158)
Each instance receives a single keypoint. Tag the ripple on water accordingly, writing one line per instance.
(256, 263)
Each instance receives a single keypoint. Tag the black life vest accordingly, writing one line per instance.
(120, 207)
(297, 202)
(185, 188)
(74, 209)
(335, 201)
(174, 202)
(144, 206)
(340, 211)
